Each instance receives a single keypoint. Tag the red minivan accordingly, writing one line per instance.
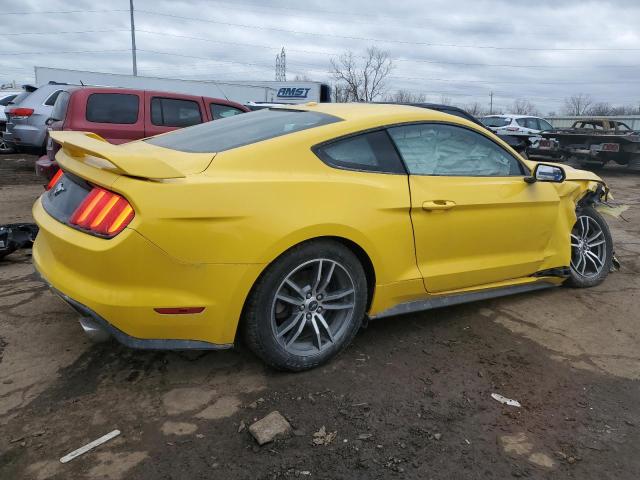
(122, 115)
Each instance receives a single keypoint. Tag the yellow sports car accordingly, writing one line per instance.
(292, 226)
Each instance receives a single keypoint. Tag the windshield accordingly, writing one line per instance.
(239, 130)
(496, 121)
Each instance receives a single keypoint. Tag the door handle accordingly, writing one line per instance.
(438, 205)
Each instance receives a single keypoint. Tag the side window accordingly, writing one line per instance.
(532, 123)
(522, 122)
(371, 152)
(113, 108)
(59, 111)
(52, 98)
(223, 111)
(544, 125)
(172, 112)
(447, 150)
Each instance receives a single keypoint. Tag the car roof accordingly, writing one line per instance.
(107, 89)
(372, 112)
(511, 115)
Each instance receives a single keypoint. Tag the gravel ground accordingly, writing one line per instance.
(411, 398)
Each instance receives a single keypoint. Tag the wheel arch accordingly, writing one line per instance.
(363, 257)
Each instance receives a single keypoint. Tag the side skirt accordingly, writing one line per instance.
(449, 300)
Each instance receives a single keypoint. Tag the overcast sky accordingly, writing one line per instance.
(538, 50)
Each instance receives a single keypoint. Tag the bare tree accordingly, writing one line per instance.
(302, 78)
(524, 107)
(365, 79)
(601, 108)
(405, 96)
(577, 104)
(339, 93)
(444, 100)
(476, 109)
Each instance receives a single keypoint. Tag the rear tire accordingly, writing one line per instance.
(591, 249)
(307, 306)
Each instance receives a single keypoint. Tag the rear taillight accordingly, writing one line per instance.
(103, 213)
(610, 147)
(21, 112)
(54, 179)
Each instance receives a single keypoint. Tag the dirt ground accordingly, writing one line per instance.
(411, 398)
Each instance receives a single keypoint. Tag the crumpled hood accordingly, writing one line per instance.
(577, 174)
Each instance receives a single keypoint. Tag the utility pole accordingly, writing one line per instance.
(491, 103)
(133, 40)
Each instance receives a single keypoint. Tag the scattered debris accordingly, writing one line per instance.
(254, 405)
(321, 437)
(364, 436)
(505, 400)
(242, 426)
(269, 427)
(89, 446)
(14, 236)
(437, 436)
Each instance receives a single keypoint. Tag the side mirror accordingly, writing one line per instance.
(49, 121)
(546, 173)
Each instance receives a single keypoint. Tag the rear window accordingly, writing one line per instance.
(173, 112)
(223, 111)
(239, 130)
(496, 121)
(112, 108)
(5, 101)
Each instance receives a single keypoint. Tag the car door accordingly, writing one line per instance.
(476, 221)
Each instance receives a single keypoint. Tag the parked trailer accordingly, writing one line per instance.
(596, 141)
(235, 91)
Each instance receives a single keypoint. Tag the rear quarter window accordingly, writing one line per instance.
(51, 99)
(371, 152)
(223, 111)
(59, 111)
(113, 108)
(240, 130)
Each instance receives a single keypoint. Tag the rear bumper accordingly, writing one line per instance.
(118, 283)
(99, 330)
(26, 135)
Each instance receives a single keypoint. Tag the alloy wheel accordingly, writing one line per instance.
(313, 307)
(588, 247)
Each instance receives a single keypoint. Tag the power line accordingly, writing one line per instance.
(61, 53)
(402, 42)
(423, 79)
(45, 12)
(61, 33)
(320, 52)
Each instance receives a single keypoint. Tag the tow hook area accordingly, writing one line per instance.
(93, 330)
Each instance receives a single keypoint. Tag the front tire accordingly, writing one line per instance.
(591, 249)
(307, 306)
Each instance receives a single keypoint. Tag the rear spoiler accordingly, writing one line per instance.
(81, 145)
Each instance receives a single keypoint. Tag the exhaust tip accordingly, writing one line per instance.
(93, 330)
